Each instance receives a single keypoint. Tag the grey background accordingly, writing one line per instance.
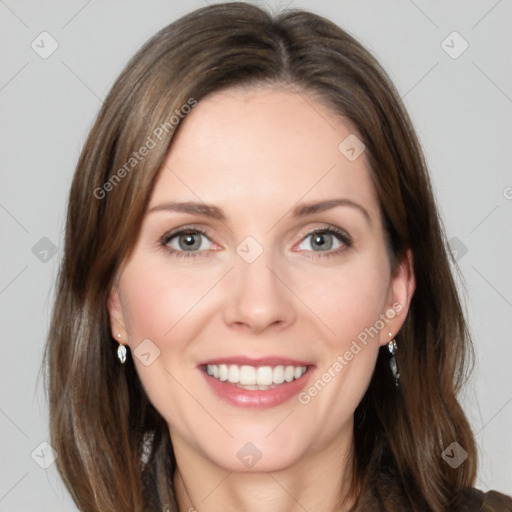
(461, 108)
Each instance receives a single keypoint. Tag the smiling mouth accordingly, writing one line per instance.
(254, 378)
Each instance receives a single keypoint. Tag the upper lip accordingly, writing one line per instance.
(260, 361)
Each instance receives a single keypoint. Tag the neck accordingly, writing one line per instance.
(319, 481)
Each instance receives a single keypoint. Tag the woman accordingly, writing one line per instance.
(255, 309)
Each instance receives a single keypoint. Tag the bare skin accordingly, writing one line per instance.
(257, 154)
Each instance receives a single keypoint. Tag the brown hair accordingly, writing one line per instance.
(102, 423)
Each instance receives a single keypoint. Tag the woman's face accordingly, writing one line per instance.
(260, 284)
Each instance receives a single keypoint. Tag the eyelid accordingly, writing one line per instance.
(176, 232)
(335, 231)
(325, 228)
(188, 227)
(343, 238)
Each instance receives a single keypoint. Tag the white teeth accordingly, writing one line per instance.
(233, 373)
(264, 376)
(288, 373)
(247, 375)
(223, 372)
(278, 375)
(250, 377)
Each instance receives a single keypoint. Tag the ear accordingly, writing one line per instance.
(115, 311)
(401, 290)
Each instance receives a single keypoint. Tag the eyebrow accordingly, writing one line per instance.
(214, 212)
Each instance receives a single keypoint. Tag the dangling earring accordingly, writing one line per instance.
(393, 364)
(121, 351)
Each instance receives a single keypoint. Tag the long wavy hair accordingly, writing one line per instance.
(114, 449)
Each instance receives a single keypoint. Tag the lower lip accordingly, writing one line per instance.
(257, 399)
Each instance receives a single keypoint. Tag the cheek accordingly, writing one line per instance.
(162, 304)
(157, 298)
(348, 300)
(351, 308)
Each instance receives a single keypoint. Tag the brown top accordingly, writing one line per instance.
(478, 501)
(470, 500)
(496, 502)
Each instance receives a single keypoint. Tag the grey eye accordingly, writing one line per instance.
(187, 241)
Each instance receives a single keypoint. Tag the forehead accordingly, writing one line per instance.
(263, 148)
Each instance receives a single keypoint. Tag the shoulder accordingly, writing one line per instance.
(475, 500)
(495, 501)
(389, 499)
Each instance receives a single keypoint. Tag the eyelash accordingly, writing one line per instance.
(342, 237)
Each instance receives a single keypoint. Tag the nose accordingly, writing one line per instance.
(258, 297)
